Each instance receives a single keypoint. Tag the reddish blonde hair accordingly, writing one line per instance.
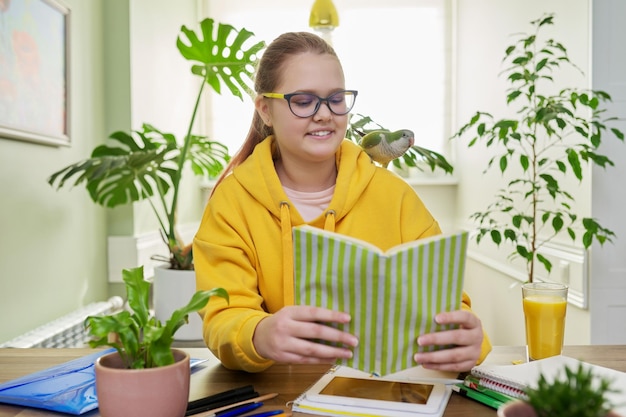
(268, 76)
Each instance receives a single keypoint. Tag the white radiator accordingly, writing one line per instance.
(66, 331)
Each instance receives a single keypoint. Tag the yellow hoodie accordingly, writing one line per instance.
(244, 243)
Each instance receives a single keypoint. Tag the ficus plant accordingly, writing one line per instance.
(141, 340)
(554, 136)
(148, 164)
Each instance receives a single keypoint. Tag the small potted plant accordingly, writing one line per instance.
(576, 393)
(145, 376)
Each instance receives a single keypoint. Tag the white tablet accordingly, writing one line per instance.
(373, 392)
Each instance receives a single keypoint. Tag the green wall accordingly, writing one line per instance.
(53, 244)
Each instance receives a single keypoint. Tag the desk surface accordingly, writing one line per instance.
(287, 380)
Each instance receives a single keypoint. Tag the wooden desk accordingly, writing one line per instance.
(287, 380)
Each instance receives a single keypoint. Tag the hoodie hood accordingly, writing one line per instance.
(260, 180)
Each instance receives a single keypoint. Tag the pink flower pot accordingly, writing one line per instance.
(523, 409)
(516, 409)
(151, 392)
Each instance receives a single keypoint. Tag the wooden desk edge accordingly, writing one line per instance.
(288, 380)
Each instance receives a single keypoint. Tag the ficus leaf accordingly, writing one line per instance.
(523, 252)
(524, 162)
(503, 163)
(545, 261)
(557, 223)
(574, 162)
(496, 237)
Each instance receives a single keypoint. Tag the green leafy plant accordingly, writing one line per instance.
(554, 136)
(577, 393)
(360, 125)
(141, 340)
(150, 163)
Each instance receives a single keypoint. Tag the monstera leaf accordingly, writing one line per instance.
(220, 62)
(139, 166)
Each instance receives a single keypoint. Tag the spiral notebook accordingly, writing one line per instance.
(514, 379)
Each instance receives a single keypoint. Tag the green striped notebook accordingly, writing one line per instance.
(392, 297)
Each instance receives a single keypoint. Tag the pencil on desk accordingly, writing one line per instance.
(240, 410)
(226, 398)
(214, 411)
(273, 413)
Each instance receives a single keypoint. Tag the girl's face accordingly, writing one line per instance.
(314, 138)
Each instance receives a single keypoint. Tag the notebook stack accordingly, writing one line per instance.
(495, 385)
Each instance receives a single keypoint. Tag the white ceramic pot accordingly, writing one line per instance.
(172, 289)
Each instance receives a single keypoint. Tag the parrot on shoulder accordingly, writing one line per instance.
(384, 146)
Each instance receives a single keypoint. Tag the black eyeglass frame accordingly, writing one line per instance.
(288, 97)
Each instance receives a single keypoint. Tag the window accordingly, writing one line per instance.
(395, 53)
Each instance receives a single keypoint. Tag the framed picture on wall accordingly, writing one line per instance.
(34, 71)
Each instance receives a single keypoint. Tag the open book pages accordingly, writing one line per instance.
(514, 379)
(392, 297)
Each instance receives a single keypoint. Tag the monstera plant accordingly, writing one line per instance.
(148, 163)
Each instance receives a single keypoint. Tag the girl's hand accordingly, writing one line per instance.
(468, 339)
(289, 334)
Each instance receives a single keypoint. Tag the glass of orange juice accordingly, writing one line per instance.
(544, 311)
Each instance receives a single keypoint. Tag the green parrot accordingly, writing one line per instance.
(384, 146)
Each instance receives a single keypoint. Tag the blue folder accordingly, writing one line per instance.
(69, 387)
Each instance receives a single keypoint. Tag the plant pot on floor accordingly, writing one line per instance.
(173, 289)
(150, 392)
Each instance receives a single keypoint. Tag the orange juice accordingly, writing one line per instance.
(545, 325)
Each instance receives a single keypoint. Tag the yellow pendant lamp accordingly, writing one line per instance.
(324, 18)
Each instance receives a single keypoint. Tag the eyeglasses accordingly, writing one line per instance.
(306, 104)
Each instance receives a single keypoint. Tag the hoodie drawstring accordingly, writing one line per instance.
(285, 226)
(329, 222)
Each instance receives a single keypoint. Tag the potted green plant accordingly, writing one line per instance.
(148, 164)
(576, 393)
(553, 136)
(145, 376)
